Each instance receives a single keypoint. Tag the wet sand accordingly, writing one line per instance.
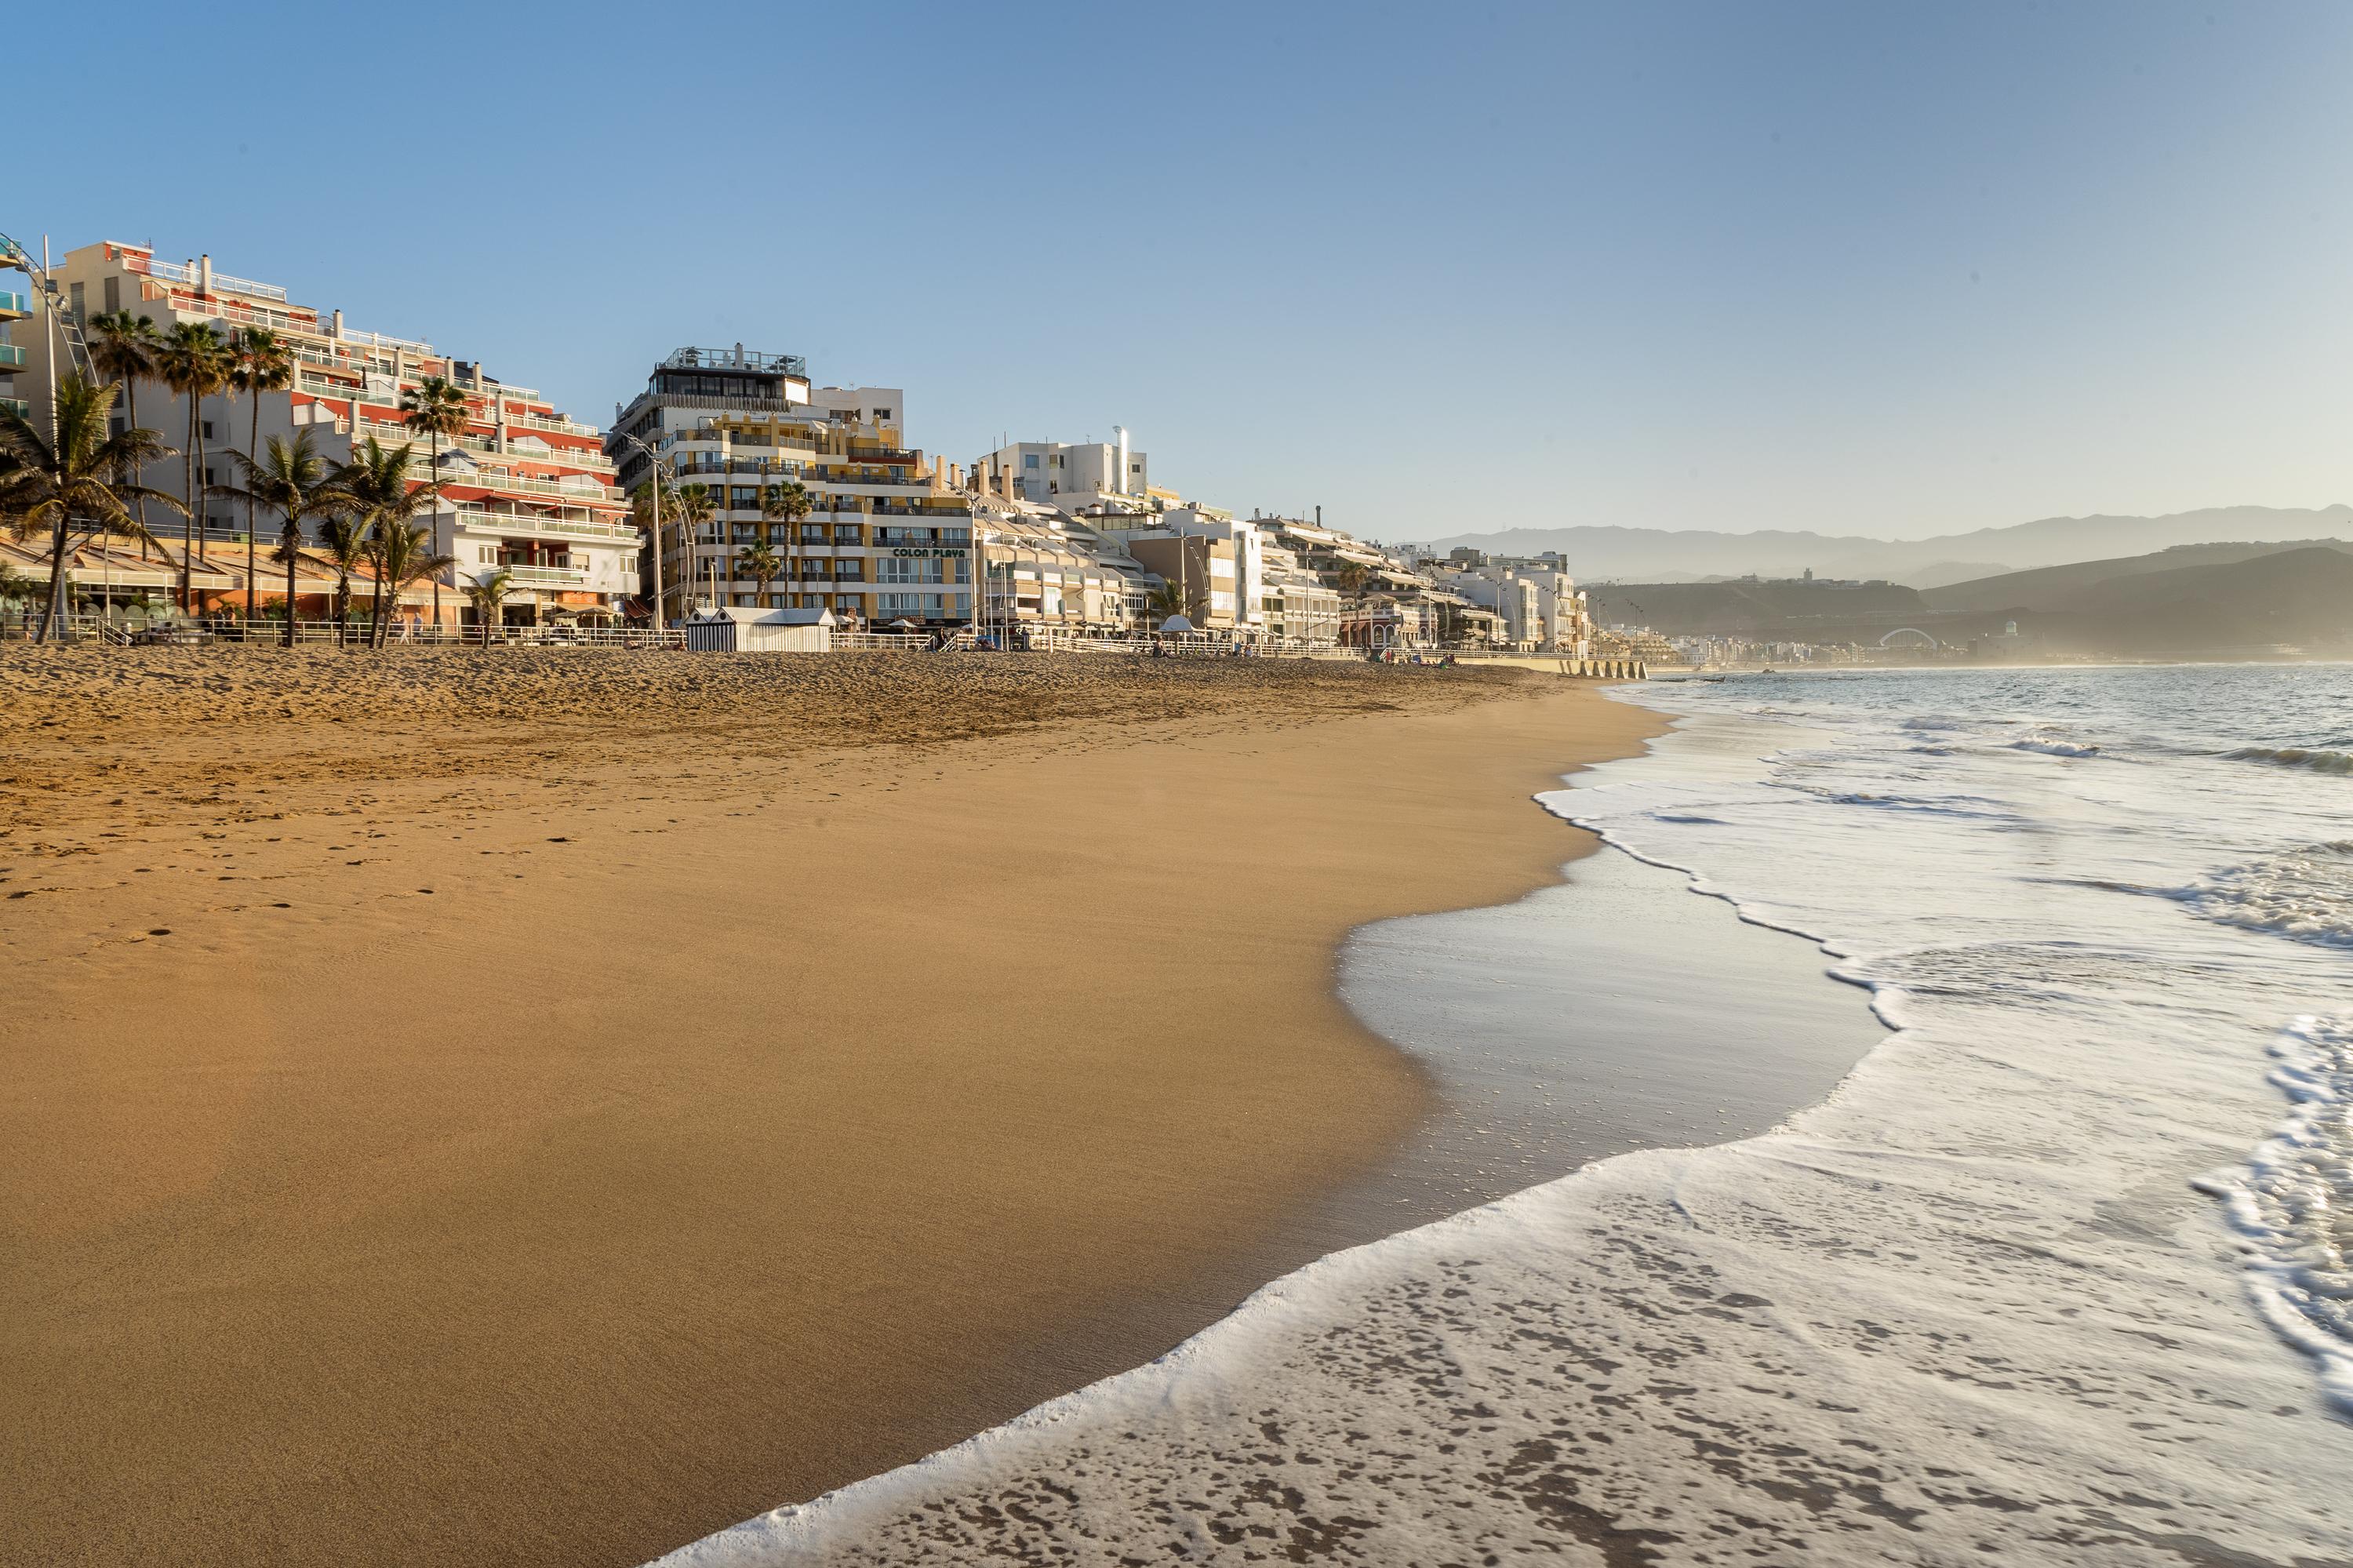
(539, 1107)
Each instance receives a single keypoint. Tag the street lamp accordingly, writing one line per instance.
(653, 458)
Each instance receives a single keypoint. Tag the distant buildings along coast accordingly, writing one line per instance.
(779, 493)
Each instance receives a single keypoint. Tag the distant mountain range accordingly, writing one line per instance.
(2197, 600)
(1663, 555)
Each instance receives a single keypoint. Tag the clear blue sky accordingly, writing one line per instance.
(1886, 269)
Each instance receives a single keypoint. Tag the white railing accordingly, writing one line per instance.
(525, 523)
(276, 320)
(554, 577)
(561, 426)
(386, 340)
(392, 430)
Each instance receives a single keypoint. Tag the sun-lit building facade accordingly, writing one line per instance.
(525, 488)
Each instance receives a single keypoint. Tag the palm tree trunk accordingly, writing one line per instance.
(53, 618)
(342, 604)
(437, 535)
(131, 413)
(253, 454)
(188, 523)
(196, 500)
(293, 544)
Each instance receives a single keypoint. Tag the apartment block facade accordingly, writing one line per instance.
(1073, 476)
(526, 489)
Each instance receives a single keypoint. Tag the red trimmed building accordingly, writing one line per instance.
(525, 488)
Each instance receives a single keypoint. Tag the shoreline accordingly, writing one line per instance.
(578, 1270)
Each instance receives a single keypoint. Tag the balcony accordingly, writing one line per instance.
(736, 359)
(390, 430)
(524, 484)
(11, 305)
(222, 283)
(482, 520)
(17, 407)
(11, 358)
(548, 577)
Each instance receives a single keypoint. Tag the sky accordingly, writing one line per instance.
(1891, 269)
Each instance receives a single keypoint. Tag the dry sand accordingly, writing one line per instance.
(539, 1107)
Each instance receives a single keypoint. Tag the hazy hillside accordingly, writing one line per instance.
(1813, 612)
(2205, 599)
(2301, 597)
(1652, 555)
(2062, 587)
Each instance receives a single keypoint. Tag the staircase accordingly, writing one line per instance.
(15, 257)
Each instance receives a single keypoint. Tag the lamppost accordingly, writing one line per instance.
(655, 459)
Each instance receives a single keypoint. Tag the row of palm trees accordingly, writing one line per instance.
(371, 513)
(364, 515)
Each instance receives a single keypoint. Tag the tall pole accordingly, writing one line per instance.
(655, 480)
(49, 320)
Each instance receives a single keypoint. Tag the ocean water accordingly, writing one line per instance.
(2054, 1275)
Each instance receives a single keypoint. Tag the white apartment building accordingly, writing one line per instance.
(1087, 473)
(1541, 604)
(525, 488)
(887, 540)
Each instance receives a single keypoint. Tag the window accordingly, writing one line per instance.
(850, 571)
(1029, 459)
(910, 569)
(812, 533)
(1135, 468)
(77, 301)
(115, 293)
(209, 473)
(845, 533)
(882, 413)
(207, 423)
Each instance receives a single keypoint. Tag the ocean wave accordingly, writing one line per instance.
(2305, 894)
(2317, 760)
(2057, 747)
(2292, 1204)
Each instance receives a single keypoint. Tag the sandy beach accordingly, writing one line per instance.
(539, 1107)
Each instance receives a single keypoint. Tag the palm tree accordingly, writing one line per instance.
(292, 481)
(191, 363)
(343, 536)
(1166, 600)
(488, 593)
(786, 504)
(435, 408)
(761, 563)
(122, 349)
(72, 485)
(403, 552)
(696, 508)
(262, 363)
(381, 494)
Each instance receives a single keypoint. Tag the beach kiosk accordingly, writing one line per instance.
(729, 629)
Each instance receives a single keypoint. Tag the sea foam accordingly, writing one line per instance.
(1970, 1307)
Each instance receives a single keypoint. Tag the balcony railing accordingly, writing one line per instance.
(392, 431)
(177, 273)
(735, 359)
(14, 303)
(248, 315)
(552, 576)
(480, 519)
(11, 357)
(585, 496)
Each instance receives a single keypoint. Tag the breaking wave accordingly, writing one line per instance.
(2318, 760)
